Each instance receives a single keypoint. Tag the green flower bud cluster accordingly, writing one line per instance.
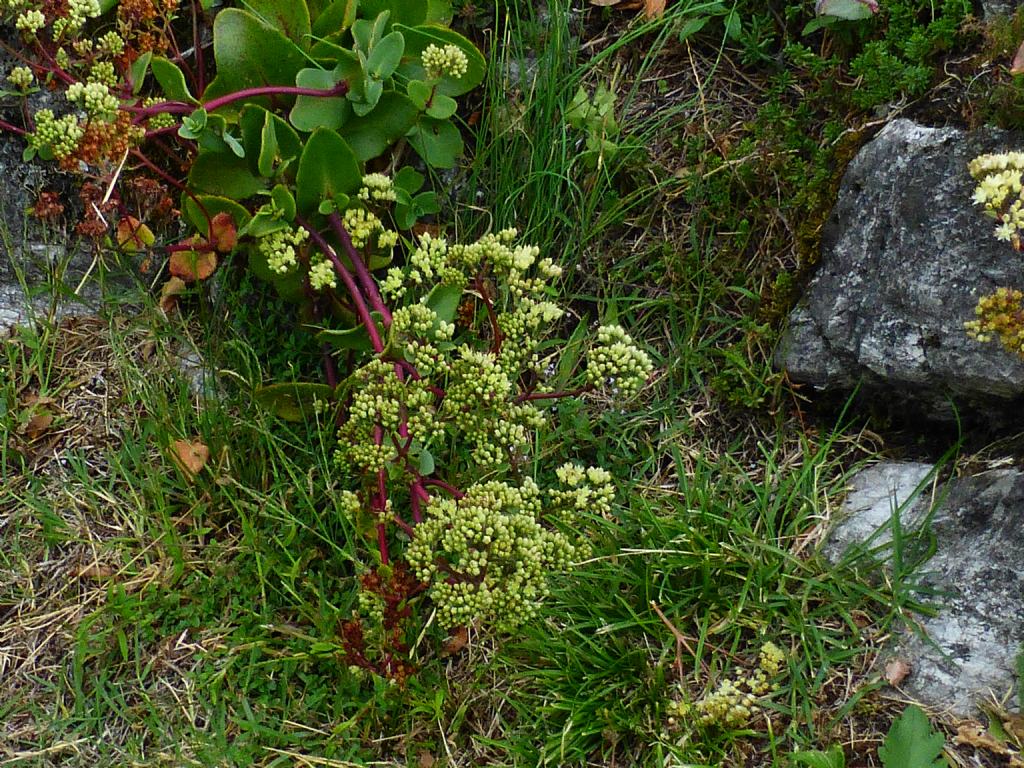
(62, 58)
(379, 401)
(322, 275)
(79, 11)
(587, 490)
(161, 119)
(95, 98)
(419, 331)
(617, 362)
(110, 44)
(736, 700)
(449, 60)
(487, 556)
(30, 22)
(279, 249)
(59, 135)
(363, 225)
(378, 188)
(103, 72)
(21, 78)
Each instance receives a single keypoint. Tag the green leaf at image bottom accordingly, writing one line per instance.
(293, 401)
(438, 142)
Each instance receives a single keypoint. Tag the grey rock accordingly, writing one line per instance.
(978, 528)
(905, 257)
(993, 8)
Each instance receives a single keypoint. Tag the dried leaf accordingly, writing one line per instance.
(224, 232)
(604, 3)
(190, 456)
(456, 642)
(133, 235)
(95, 572)
(1014, 725)
(193, 265)
(426, 760)
(173, 288)
(38, 424)
(653, 9)
(1017, 67)
(976, 736)
(896, 671)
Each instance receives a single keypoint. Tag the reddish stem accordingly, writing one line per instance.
(362, 272)
(4, 125)
(350, 284)
(530, 396)
(433, 481)
(181, 108)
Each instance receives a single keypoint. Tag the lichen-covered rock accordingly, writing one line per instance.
(975, 574)
(904, 259)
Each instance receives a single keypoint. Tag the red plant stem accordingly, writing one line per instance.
(382, 543)
(350, 284)
(530, 396)
(362, 272)
(495, 328)
(181, 108)
(178, 185)
(433, 481)
(417, 512)
(160, 131)
(197, 44)
(330, 370)
(11, 128)
(404, 525)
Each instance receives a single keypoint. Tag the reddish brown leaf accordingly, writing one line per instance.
(896, 671)
(1017, 67)
(426, 760)
(224, 231)
(95, 572)
(173, 288)
(193, 265)
(38, 424)
(133, 235)
(456, 642)
(190, 456)
(653, 9)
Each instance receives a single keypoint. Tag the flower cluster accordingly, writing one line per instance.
(487, 555)
(378, 188)
(321, 275)
(279, 249)
(1000, 315)
(57, 135)
(79, 11)
(736, 700)
(449, 60)
(618, 362)
(30, 22)
(95, 97)
(999, 189)
(21, 78)
(362, 225)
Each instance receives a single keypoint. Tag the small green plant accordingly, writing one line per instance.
(910, 743)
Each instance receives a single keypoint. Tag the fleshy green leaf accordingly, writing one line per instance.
(283, 201)
(138, 71)
(224, 174)
(336, 18)
(250, 54)
(268, 148)
(410, 12)
(911, 743)
(426, 462)
(438, 142)
(253, 121)
(371, 135)
(327, 168)
(442, 107)
(171, 80)
(312, 112)
(352, 338)
(290, 17)
(385, 56)
(444, 300)
(293, 401)
(409, 179)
